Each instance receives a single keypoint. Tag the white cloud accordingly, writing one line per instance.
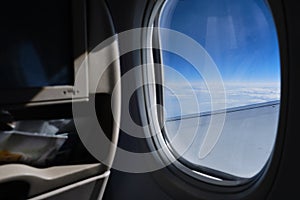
(237, 94)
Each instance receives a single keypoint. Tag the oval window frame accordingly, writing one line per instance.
(151, 20)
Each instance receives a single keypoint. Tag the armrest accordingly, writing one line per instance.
(46, 179)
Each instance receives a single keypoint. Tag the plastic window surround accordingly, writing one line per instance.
(152, 97)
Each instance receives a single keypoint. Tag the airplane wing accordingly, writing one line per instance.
(247, 138)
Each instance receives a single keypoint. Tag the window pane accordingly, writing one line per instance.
(240, 37)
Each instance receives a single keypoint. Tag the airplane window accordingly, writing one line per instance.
(240, 46)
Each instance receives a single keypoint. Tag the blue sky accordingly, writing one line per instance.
(240, 36)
